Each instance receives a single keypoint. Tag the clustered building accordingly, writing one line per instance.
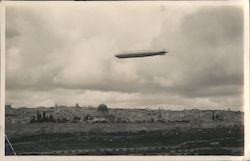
(75, 114)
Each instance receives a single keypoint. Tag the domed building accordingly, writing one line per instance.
(102, 108)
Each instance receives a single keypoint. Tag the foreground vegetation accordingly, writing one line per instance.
(176, 141)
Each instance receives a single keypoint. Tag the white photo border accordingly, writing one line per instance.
(246, 156)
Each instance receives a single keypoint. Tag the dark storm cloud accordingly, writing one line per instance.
(208, 52)
(214, 26)
(10, 34)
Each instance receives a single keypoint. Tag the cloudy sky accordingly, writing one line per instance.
(65, 55)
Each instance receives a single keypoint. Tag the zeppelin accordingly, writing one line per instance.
(140, 54)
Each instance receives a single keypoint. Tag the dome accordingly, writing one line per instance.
(102, 108)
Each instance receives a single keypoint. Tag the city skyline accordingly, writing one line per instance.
(65, 55)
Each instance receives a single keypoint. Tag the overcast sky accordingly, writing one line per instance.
(65, 55)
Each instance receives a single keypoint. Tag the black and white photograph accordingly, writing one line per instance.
(124, 78)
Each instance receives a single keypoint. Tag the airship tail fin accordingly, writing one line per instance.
(163, 52)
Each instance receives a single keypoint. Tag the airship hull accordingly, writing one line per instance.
(140, 54)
